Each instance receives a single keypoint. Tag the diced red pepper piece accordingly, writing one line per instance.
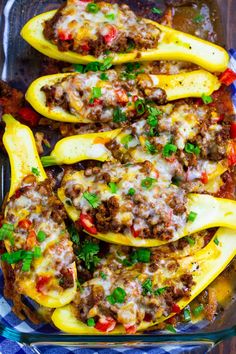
(228, 77)
(111, 34)
(96, 102)
(121, 96)
(233, 130)
(171, 320)
(232, 153)
(85, 0)
(31, 240)
(175, 308)
(204, 177)
(130, 329)
(64, 36)
(41, 282)
(85, 47)
(29, 116)
(105, 324)
(24, 224)
(86, 221)
(135, 233)
(17, 194)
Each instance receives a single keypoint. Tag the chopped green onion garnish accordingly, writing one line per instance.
(197, 310)
(41, 236)
(152, 121)
(37, 252)
(160, 291)
(147, 287)
(157, 11)
(96, 92)
(35, 171)
(118, 115)
(192, 149)
(79, 68)
(198, 19)
(13, 257)
(111, 299)
(131, 191)
(119, 295)
(6, 232)
(94, 66)
(192, 216)
(143, 255)
(90, 322)
(168, 150)
(170, 328)
(27, 262)
(103, 275)
(106, 64)
(190, 240)
(140, 106)
(113, 187)
(126, 139)
(132, 66)
(110, 17)
(150, 147)
(207, 99)
(216, 241)
(147, 183)
(92, 198)
(187, 315)
(104, 76)
(92, 7)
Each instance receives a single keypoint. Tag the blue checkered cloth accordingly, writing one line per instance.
(8, 319)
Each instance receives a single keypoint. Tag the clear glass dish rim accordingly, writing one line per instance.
(137, 339)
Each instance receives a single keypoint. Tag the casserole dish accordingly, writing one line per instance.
(21, 66)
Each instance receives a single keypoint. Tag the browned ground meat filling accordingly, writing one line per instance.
(91, 96)
(137, 206)
(88, 28)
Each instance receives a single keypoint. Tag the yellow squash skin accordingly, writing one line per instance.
(19, 142)
(211, 212)
(212, 260)
(174, 45)
(81, 147)
(190, 84)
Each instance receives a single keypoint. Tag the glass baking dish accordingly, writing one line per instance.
(19, 65)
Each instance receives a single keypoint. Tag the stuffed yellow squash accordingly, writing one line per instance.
(36, 238)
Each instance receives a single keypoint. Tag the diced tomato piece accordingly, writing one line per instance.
(105, 324)
(232, 153)
(135, 98)
(111, 34)
(121, 96)
(228, 77)
(204, 177)
(135, 233)
(29, 115)
(85, 47)
(64, 36)
(85, 0)
(31, 240)
(41, 282)
(24, 224)
(233, 130)
(130, 329)
(96, 102)
(86, 221)
(175, 308)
